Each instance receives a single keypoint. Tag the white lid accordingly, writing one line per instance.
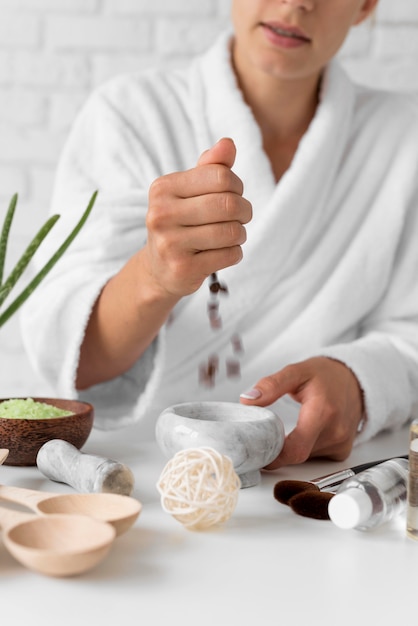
(350, 508)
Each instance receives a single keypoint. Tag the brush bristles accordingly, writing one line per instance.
(313, 504)
(284, 490)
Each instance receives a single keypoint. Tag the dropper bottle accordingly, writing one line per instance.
(412, 508)
(372, 497)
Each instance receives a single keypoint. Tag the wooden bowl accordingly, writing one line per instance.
(24, 437)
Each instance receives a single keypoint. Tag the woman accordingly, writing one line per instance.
(260, 171)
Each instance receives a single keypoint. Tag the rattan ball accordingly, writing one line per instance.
(199, 487)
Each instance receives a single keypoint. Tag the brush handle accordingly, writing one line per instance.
(335, 479)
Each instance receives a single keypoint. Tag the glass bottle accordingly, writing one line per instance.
(412, 506)
(372, 497)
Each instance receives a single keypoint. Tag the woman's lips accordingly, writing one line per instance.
(283, 35)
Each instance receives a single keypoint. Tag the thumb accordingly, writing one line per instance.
(223, 153)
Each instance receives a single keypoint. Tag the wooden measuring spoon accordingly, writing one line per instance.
(55, 545)
(118, 510)
(4, 453)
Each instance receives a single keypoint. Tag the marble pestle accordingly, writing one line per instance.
(62, 462)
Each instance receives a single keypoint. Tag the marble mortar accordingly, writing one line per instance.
(250, 436)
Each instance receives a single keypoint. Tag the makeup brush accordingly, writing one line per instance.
(284, 490)
(313, 502)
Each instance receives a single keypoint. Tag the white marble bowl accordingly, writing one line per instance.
(250, 436)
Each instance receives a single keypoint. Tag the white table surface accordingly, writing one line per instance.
(266, 565)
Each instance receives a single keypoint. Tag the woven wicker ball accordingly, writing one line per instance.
(199, 487)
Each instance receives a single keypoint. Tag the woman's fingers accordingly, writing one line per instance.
(331, 408)
(195, 221)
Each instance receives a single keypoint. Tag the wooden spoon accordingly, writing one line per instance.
(4, 453)
(116, 509)
(55, 545)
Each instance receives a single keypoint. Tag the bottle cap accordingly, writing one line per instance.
(350, 508)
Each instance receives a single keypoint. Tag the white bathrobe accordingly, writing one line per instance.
(330, 264)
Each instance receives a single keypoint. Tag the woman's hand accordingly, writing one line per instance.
(195, 227)
(195, 222)
(331, 408)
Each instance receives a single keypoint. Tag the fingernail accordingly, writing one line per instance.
(251, 394)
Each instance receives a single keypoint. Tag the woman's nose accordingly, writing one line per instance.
(306, 5)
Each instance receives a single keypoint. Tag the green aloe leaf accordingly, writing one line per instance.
(4, 237)
(12, 308)
(25, 259)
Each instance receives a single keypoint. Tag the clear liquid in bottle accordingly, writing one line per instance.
(412, 506)
(371, 498)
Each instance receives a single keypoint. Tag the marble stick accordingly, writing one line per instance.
(62, 462)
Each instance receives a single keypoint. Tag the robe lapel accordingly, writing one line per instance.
(288, 217)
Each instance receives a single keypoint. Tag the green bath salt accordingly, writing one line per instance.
(29, 409)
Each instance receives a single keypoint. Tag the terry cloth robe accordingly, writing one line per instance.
(330, 264)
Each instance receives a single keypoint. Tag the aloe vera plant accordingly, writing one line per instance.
(7, 285)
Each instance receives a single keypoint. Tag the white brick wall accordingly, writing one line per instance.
(53, 52)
